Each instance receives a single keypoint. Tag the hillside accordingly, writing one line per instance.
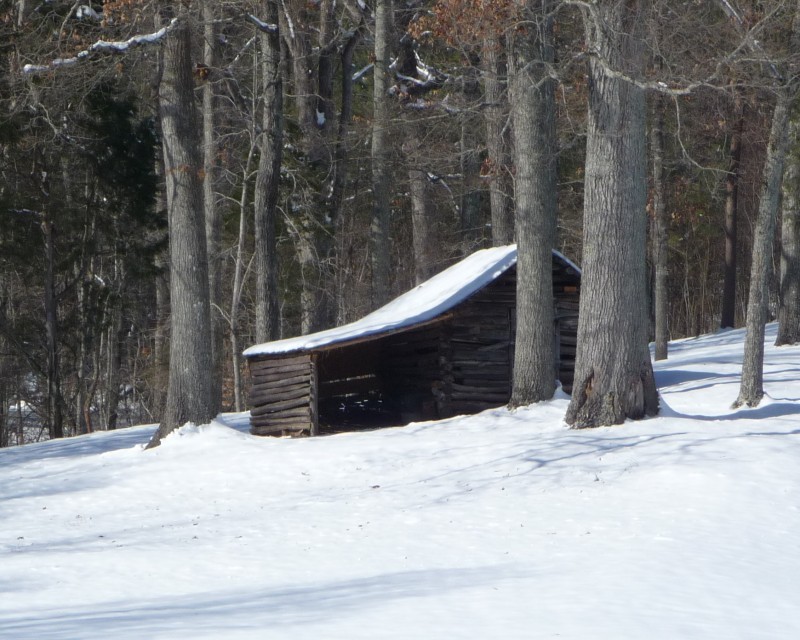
(500, 525)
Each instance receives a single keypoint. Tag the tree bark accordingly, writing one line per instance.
(55, 420)
(531, 97)
(381, 179)
(660, 232)
(789, 300)
(213, 217)
(267, 183)
(613, 372)
(497, 142)
(422, 228)
(752, 387)
(728, 316)
(189, 394)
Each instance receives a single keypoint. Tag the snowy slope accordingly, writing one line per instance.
(501, 525)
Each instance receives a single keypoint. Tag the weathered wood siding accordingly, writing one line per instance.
(283, 395)
(477, 353)
(462, 362)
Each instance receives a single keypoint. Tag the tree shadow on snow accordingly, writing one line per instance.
(259, 611)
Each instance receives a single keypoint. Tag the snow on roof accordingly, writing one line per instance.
(421, 304)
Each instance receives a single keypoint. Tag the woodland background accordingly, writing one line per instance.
(84, 268)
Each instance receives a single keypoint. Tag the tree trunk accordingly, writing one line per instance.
(422, 228)
(497, 143)
(752, 388)
(660, 232)
(728, 316)
(189, 393)
(55, 421)
(789, 300)
(267, 183)
(213, 216)
(531, 96)
(613, 372)
(381, 178)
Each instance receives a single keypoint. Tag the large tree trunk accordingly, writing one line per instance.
(497, 142)
(789, 301)
(728, 316)
(267, 183)
(752, 387)
(660, 232)
(613, 372)
(381, 179)
(189, 395)
(531, 95)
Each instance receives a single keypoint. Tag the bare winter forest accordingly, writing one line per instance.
(179, 181)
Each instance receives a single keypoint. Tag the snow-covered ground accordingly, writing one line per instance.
(502, 525)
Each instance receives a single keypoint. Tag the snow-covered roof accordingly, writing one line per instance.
(417, 306)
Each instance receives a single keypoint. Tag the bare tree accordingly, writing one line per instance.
(531, 94)
(787, 91)
(613, 372)
(789, 292)
(190, 397)
(381, 178)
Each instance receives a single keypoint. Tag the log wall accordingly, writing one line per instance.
(283, 396)
(459, 363)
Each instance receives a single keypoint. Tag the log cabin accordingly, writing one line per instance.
(442, 349)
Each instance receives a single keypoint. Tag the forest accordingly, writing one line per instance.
(179, 181)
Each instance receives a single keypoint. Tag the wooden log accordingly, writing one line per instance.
(263, 421)
(282, 382)
(278, 373)
(277, 395)
(477, 389)
(281, 361)
(500, 398)
(280, 430)
(281, 406)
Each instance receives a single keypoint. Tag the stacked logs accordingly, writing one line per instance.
(283, 395)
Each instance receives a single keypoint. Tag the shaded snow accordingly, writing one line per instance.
(500, 525)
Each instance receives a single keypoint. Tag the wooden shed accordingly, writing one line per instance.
(444, 348)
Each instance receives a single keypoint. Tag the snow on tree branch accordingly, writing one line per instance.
(261, 25)
(103, 46)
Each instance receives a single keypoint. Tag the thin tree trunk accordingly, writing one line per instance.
(613, 373)
(381, 178)
(531, 96)
(423, 234)
(660, 232)
(213, 217)
(752, 387)
(268, 182)
(189, 394)
(55, 422)
(497, 143)
(728, 316)
(789, 300)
